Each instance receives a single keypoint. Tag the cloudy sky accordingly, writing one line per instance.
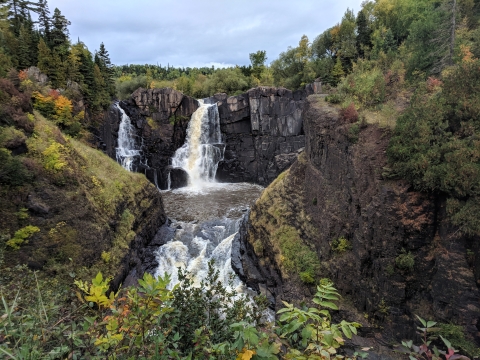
(195, 32)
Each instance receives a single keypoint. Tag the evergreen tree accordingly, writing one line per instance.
(45, 60)
(364, 33)
(59, 31)
(102, 59)
(337, 72)
(18, 11)
(44, 20)
(25, 44)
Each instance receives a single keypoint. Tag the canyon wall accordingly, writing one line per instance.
(336, 190)
(262, 130)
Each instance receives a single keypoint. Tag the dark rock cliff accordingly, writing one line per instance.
(336, 189)
(160, 117)
(262, 129)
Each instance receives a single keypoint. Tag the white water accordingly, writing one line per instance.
(206, 214)
(126, 150)
(201, 153)
(194, 246)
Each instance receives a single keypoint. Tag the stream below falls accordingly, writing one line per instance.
(206, 221)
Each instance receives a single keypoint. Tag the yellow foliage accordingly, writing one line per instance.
(467, 56)
(53, 158)
(245, 354)
(96, 293)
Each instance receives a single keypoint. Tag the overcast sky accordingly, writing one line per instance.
(197, 33)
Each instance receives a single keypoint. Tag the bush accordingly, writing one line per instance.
(296, 256)
(341, 245)
(126, 87)
(12, 170)
(435, 144)
(405, 261)
(22, 236)
(349, 114)
(335, 99)
(11, 137)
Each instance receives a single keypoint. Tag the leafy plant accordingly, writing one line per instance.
(425, 351)
(405, 261)
(22, 236)
(308, 333)
(341, 245)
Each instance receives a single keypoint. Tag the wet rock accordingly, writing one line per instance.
(178, 178)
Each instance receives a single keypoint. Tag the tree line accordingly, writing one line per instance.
(45, 43)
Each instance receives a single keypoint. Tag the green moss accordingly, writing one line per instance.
(152, 123)
(456, 335)
(296, 257)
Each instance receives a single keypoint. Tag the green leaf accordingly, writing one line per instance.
(424, 323)
(328, 304)
(346, 331)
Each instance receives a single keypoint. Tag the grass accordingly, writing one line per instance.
(106, 199)
(285, 229)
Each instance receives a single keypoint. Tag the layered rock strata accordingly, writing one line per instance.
(262, 130)
(336, 190)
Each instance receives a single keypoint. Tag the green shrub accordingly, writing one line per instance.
(22, 236)
(12, 170)
(353, 132)
(106, 256)
(11, 137)
(405, 261)
(435, 144)
(22, 214)
(456, 335)
(296, 256)
(341, 245)
(335, 98)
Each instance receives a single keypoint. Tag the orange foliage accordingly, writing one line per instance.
(433, 84)
(23, 75)
(467, 54)
(54, 94)
(63, 104)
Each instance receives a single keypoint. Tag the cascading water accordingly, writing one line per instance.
(202, 151)
(126, 151)
(205, 214)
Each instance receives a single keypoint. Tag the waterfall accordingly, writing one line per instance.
(203, 149)
(197, 244)
(126, 150)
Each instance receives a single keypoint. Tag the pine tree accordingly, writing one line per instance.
(17, 12)
(102, 59)
(59, 31)
(45, 60)
(25, 44)
(364, 33)
(337, 72)
(44, 20)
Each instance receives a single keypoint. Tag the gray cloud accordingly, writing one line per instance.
(195, 32)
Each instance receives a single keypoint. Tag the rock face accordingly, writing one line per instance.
(337, 187)
(262, 130)
(160, 117)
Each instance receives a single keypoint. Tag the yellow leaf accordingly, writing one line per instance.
(245, 354)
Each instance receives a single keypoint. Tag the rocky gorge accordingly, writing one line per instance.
(262, 130)
(401, 255)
